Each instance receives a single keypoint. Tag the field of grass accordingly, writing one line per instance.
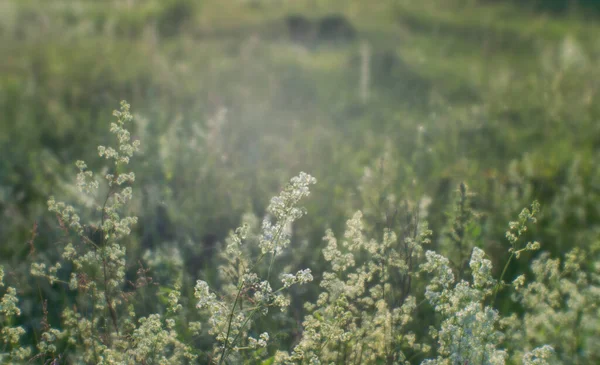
(391, 109)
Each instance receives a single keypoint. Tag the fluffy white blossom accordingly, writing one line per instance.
(539, 356)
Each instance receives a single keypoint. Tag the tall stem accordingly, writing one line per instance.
(502, 277)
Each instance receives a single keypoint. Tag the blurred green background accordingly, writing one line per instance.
(386, 103)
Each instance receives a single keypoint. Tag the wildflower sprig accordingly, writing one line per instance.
(10, 335)
(102, 324)
(285, 210)
(519, 227)
(515, 230)
(246, 293)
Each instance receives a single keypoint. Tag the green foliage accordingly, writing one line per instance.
(229, 105)
(365, 313)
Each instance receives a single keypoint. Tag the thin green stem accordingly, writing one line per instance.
(502, 277)
(237, 297)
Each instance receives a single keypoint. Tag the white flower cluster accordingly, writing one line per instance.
(125, 148)
(519, 227)
(285, 210)
(39, 270)
(539, 356)
(301, 277)
(360, 316)
(468, 333)
(66, 213)
(561, 308)
(85, 179)
(150, 339)
(261, 342)
(10, 349)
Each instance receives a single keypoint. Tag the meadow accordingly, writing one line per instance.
(299, 182)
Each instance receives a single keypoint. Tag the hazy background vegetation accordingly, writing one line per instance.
(387, 103)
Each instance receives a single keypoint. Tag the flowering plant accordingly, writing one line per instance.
(373, 303)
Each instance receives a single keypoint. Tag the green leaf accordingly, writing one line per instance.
(268, 361)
